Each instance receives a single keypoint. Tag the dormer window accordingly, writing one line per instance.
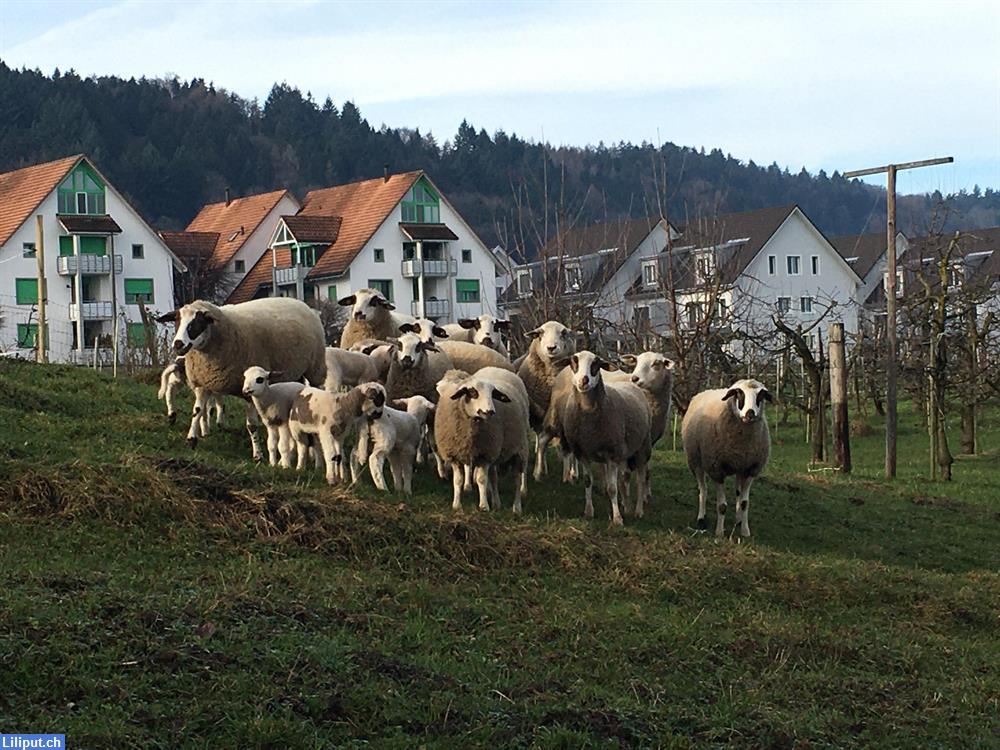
(82, 192)
(704, 267)
(574, 278)
(524, 283)
(649, 273)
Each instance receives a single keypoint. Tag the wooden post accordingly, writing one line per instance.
(42, 339)
(114, 311)
(838, 398)
(932, 410)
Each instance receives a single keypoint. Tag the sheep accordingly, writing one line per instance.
(219, 343)
(606, 423)
(372, 317)
(482, 421)
(426, 328)
(171, 379)
(380, 353)
(274, 404)
(550, 342)
(484, 330)
(393, 434)
(725, 433)
(473, 357)
(330, 417)
(416, 367)
(347, 368)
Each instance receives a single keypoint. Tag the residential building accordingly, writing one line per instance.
(396, 233)
(101, 260)
(867, 255)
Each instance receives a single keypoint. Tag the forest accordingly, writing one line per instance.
(171, 146)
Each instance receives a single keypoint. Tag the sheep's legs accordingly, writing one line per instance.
(720, 509)
(168, 393)
(702, 499)
(541, 464)
(743, 505)
(520, 483)
(468, 476)
(494, 487)
(285, 446)
(302, 443)
(217, 403)
(194, 432)
(359, 456)
(272, 445)
(402, 471)
(329, 455)
(641, 478)
(375, 462)
(588, 489)
(612, 479)
(456, 486)
(482, 475)
(253, 421)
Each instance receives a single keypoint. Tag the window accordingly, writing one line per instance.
(26, 291)
(524, 283)
(806, 304)
(383, 286)
(641, 318)
(138, 290)
(420, 205)
(784, 304)
(82, 192)
(466, 255)
(138, 252)
(28, 250)
(704, 267)
(380, 255)
(574, 278)
(331, 292)
(468, 290)
(695, 313)
(956, 275)
(27, 335)
(899, 282)
(772, 265)
(815, 265)
(304, 255)
(723, 309)
(794, 263)
(240, 266)
(136, 334)
(649, 273)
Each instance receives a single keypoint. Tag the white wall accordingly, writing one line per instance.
(257, 242)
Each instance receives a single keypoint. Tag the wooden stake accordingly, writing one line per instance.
(42, 338)
(838, 398)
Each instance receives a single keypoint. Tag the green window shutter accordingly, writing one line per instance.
(331, 292)
(468, 290)
(136, 333)
(93, 245)
(138, 290)
(65, 245)
(26, 291)
(27, 336)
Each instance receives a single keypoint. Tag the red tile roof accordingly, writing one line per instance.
(188, 245)
(259, 275)
(235, 222)
(23, 190)
(89, 224)
(319, 229)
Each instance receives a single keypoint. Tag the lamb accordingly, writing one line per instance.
(473, 357)
(372, 317)
(347, 369)
(482, 421)
(219, 343)
(171, 379)
(416, 367)
(274, 404)
(330, 418)
(393, 434)
(606, 423)
(484, 330)
(725, 433)
(380, 353)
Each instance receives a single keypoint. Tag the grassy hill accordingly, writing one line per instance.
(157, 596)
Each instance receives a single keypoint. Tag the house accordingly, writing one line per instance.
(866, 254)
(101, 260)
(224, 241)
(396, 233)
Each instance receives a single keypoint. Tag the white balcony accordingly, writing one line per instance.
(89, 265)
(91, 311)
(285, 276)
(433, 308)
(412, 268)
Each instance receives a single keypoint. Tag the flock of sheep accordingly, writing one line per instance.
(409, 390)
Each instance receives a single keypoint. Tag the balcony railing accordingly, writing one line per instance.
(89, 265)
(91, 311)
(285, 276)
(86, 356)
(433, 308)
(411, 268)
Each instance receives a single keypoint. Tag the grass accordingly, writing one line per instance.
(162, 597)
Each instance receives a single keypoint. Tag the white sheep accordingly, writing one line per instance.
(392, 433)
(347, 369)
(725, 433)
(423, 410)
(219, 343)
(482, 421)
(380, 353)
(372, 317)
(485, 330)
(606, 423)
(416, 368)
(425, 328)
(473, 357)
(171, 380)
(274, 405)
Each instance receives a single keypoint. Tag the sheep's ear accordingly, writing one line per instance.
(347, 301)
(500, 396)
(463, 391)
(428, 346)
(370, 348)
(561, 363)
(534, 334)
(381, 302)
(609, 366)
(502, 325)
(468, 323)
(764, 395)
(669, 363)
(731, 393)
(171, 317)
(409, 328)
(379, 397)
(439, 332)
(629, 360)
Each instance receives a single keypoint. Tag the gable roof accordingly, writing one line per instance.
(234, 223)
(23, 190)
(861, 251)
(623, 235)
(191, 245)
(318, 229)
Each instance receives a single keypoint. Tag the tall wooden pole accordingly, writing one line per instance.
(891, 367)
(838, 398)
(42, 338)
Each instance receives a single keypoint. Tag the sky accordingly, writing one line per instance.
(834, 86)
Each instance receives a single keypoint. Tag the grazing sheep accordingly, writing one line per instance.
(473, 357)
(171, 379)
(274, 404)
(606, 423)
(371, 318)
(219, 343)
(484, 330)
(725, 433)
(393, 434)
(330, 418)
(347, 369)
(379, 351)
(551, 342)
(416, 368)
(482, 421)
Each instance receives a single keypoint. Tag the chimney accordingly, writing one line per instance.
(228, 199)
(385, 173)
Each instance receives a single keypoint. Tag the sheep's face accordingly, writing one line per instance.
(373, 405)
(586, 367)
(255, 381)
(747, 398)
(366, 304)
(193, 331)
(425, 328)
(555, 340)
(411, 350)
(649, 369)
(478, 398)
(486, 330)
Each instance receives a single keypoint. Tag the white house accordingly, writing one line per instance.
(396, 233)
(866, 254)
(101, 260)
